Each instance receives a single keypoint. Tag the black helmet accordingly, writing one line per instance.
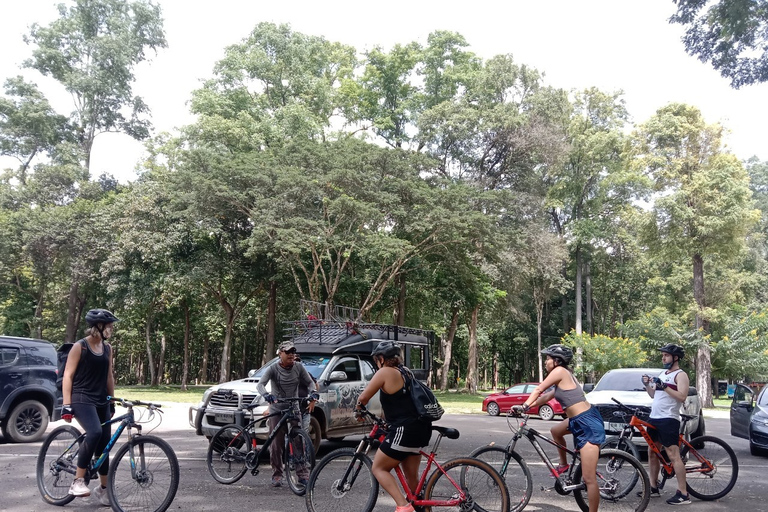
(560, 351)
(387, 349)
(100, 316)
(673, 350)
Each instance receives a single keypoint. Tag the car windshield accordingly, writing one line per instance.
(763, 399)
(624, 381)
(315, 364)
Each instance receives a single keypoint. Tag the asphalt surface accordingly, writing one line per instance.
(199, 492)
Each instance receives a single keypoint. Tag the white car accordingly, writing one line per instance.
(625, 385)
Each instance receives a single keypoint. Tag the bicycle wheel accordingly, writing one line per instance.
(623, 482)
(483, 487)
(226, 454)
(342, 482)
(144, 476)
(705, 483)
(55, 468)
(299, 459)
(621, 443)
(514, 470)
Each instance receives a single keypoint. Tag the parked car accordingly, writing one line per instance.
(337, 355)
(27, 387)
(497, 403)
(625, 385)
(749, 417)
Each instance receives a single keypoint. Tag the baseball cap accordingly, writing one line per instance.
(286, 346)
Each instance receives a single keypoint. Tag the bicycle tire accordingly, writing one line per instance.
(715, 484)
(513, 469)
(620, 477)
(621, 443)
(54, 473)
(302, 456)
(323, 492)
(484, 488)
(227, 452)
(149, 482)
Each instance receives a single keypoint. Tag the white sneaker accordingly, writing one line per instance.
(101, 494)
(78, 488)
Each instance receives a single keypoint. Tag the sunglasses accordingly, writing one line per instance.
(290, 351)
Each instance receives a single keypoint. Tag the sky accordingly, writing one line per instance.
(610, 44)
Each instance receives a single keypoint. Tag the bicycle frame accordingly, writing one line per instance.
(252, 459)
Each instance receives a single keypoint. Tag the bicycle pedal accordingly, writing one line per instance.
(547, 489)
(255, 471)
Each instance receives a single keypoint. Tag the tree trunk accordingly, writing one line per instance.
(269, 351)
(159, 376)
(150, 357)
(447, 349)
(539, 317)
(70, 331)
(588, 283)
(704, 355)
(226, 350)
(578, 291)
(400, 314)
(206, 351)
(495, 371)
(185, 369)
(472, 355)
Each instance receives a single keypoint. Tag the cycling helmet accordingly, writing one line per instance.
(387, 349)
(673, 350)
(565, 354)
(100, 316)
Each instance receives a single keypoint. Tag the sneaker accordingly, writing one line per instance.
(78, 488)
(655, 493)
(562, 468)
(100, 493)
(405, 508)
(303, 481)
(679, 499)
(277, 481)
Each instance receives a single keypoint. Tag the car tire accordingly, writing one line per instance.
(27, 422)
(315, 432)
(493, 409)
(546, 413)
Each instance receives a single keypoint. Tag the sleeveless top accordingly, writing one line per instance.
(89, 385)
(398, 407)
(664, 406)
(569, 397)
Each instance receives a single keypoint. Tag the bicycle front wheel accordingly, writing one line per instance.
(711, 467)
(342, 482)
(299, 459)
(513, 469)
(482, 487)
(622, 480)
(227, 452)
(621, 443)
(144, 476)
(56, 465)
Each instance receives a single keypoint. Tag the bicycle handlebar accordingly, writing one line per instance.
(131, 403)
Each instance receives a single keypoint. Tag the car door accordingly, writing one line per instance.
(346, 391)
(515, 395)
(13, 374)
(742, 405)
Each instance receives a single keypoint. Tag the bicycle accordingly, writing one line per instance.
(343, 480)
(620, 476)
(711, 466)
(234, 449)
(143, 475)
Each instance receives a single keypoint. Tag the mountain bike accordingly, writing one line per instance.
(234, 449)
(711, 467)
(620, 476)
(143, 474)
(343, 481)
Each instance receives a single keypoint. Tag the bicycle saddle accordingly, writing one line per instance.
(450, 433)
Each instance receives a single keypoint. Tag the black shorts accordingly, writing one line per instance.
(666, 431)
(404, 441)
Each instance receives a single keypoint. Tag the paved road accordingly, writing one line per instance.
(198, 492)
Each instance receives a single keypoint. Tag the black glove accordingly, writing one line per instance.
(270, 398)
(314, 396)
(659, 384)
(66, 413)
(521, 409)
(111, 409)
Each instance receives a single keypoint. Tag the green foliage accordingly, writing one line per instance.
(740, 346)
(597, 354)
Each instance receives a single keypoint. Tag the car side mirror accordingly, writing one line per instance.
(252, 373)
(692, 391)
(337, 376)
(589, 386)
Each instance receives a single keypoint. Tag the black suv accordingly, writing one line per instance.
(27, 387)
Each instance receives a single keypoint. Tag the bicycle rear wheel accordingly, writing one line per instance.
(705, 482)
(621, 443)
(144, 476)
(299, 459)
(55, 468)
(226, 454)
(623, 482)
(483, 487)
(342, 482)
(514, 471)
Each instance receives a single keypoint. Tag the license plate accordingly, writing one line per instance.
(224, 418)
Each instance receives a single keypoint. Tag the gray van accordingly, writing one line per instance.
(337, 355)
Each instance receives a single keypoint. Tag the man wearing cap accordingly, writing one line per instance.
(286, 376)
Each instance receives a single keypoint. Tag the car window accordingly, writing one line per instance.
(8, 356)
(368, 370)
(350, 367)
(763, 398)
(514, 390)
(623, 381)
(315, 364)
(742, 394)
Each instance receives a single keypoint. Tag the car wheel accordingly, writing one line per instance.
(27, 422)
(546, 413)
(493, 409)
(315, 432)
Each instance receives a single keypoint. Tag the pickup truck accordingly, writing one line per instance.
(625, 385)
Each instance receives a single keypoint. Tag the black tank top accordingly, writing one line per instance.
(89, 385)
(398, 407)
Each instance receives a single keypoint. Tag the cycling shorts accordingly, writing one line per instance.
(587, 427)
(666, 431)
(407, 440)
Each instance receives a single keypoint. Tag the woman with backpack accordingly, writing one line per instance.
(88, 380)
(408, 433)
